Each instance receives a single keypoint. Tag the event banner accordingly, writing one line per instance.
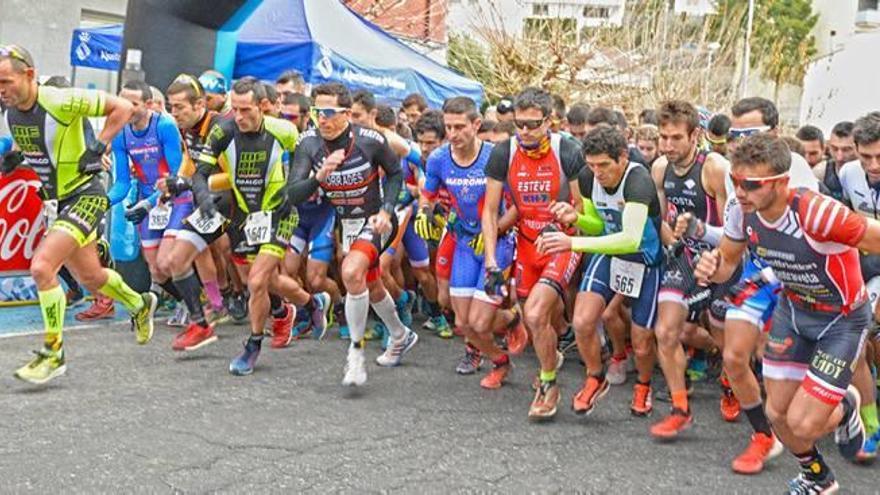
(21, 228)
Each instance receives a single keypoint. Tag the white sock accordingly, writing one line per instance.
(357, 308)
(387, 311)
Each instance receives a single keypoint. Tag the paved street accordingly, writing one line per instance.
(130, 419)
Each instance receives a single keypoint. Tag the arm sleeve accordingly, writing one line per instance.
(73, 102)
(827, 220)
(628, 240)
(388, 161)
(590, 221)
(299, 183)
(496, 167)
(733, 220)
(121, 172)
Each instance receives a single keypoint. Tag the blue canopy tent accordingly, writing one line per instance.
(326, 41)
(99, 47)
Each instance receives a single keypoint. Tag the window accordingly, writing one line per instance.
(540, 9)
(592, 12)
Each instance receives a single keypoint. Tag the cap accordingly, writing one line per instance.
(214, 82)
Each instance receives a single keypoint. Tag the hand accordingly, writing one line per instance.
(564, 212)
(138, 212)
(161, 185)
(554, 242)
(422, 225)
(682, 225)
(330, 164)
(706, 267)
(91, 161)
(381, 222)
(11, 161)
(495, 285)
(477, 244)
(176, 185)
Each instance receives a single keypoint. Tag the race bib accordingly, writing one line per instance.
(351, 228)
(205, 225)
(258, 228)
(626, 277)
(159, 217)
(50, 210)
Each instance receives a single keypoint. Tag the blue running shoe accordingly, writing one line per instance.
(320, 314)
(376, 331)
(244, 363)
(343, 332)
(869, 450)
(301, 330)
(404, 311)
(386, 335)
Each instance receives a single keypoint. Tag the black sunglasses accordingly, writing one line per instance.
(530, 124)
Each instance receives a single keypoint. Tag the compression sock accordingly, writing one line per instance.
(758, 418)
(387, 312)
(171, 289)
(869, 417)
(52, 305)
(118, 290)
(813, 465)
(357, 308)
(188, 285)
(213, 293)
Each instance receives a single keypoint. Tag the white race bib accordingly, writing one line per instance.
(159, 217)
(204, 225)
(258, 228)
(351, 228)
(50, 210)
(626, 277)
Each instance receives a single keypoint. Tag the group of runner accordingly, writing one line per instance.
(690, 236)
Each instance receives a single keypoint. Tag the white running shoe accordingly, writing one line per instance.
(394, 353)
(180, 318)
(355, 371)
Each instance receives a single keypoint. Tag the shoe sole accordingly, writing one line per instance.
(541, 418)
(241, 373)
(406, 349)
(669, 438)
(589, 410)
(96, 318)
(55, 374)
(325, 320)
(201, 344)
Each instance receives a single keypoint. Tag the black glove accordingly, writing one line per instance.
(177, 185)
(205, 202)
(11, 161)
(495, 284)
(138, 212)
(90, 161)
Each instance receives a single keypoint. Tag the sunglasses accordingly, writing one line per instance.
(293, 117)
(12, 52)
(754, 183)
(530, 124)
(744, 132)
(327, 112)
(719, 140)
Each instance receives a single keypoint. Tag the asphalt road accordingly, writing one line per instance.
(144, 419)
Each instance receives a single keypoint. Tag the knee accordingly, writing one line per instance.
(535, 320)
(257, 283)
(42, 271)
(643, 348)
(775, 414)
(582, 324)
(667, 338)
(804, 426)
(352, 273)
(736, 364)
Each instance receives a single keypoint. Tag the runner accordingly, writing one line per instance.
(538, 168)
(841, 150)
(48, 127)
(259, 225)
(622, 215)
(216, 91)
(820, 324)
(813, 141)
(346, 160)
(691, 185)
(459, 167)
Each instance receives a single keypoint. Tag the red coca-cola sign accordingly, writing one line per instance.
(21, 220)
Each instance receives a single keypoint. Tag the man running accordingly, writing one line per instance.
(48, 127)
(622, 216)
(345, 161)
(819, 326)
(538, 168)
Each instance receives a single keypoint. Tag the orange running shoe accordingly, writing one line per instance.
(517, 335)
(101, 309)
(729, 406)
(194, 337)
(282, 328)
(545, 403)
(671, 426)
(641, 402)
(762, 448)
(592, 391)
(495, 378)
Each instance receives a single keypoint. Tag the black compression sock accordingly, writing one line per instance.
(758, 419)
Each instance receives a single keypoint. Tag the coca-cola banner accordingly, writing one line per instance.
(21, 221)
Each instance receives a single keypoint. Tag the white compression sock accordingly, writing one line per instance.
(357, 309)
(387, 311)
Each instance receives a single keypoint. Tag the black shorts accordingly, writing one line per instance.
(279, 238)
(816, 348)
(80, 214)
(680, 286)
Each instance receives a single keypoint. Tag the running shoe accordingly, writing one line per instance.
(301, 329)
(566, 342)
(590, 394)
(377, 331)
(47, 365)
(355, 371)
(641, 404)
(850, 433)
(102, 308)
(441, 326)
(404, 309)
(282, 328)
(180, 316)
(217, 317)
(245, 362)
(729, 406)
(868, 452)
(238, 307)
(394, 353)
(194, 337)
(496, 376)
(319, 315)
(761, 449)
(697, 368)
(671, 426)
(805, 484)
(142, 320)
(471, 362)
(517, 335)
(545, 403)
(616, 374)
